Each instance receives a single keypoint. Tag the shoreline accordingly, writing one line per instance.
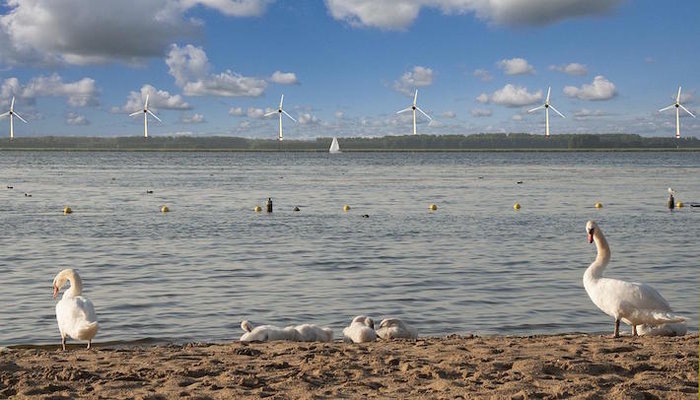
(576, 366)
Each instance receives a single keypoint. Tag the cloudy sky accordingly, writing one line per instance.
(215, 67)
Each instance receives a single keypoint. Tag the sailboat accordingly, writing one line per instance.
(335, 147)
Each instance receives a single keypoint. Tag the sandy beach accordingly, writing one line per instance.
(574, 366)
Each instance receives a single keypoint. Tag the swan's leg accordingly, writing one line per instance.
(89, 343)
(63, 342)
(634, 330)
(617, 329)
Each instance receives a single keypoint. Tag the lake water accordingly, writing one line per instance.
(473, 266)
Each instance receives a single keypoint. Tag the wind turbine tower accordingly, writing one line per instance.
(11, 113)
(546, 107)
(145, 112)
(678, 105)
(413, 108)
(280, 111)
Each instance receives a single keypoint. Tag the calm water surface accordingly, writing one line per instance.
(473, 266)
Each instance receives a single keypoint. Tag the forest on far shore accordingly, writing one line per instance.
(475, 142)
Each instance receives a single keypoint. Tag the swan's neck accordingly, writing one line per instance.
(595, 270)
(76, 286)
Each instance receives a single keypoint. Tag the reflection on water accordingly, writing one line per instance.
(474, 265)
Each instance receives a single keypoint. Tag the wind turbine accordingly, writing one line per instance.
(546, 107)
(280, 111)
(12, 114)
(678, 105)
(145, 112)
(413, 108)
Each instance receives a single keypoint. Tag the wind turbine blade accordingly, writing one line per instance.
(423, 112)
(285, 113)
(404, 110)
(556, 111)
(12, 105)
(135, 113)
(153, 115)
(270, 113)
(145, 105)
(678, 98)
(4, 114)
(281, 100)
(415, 97)
(680, 105)
(667, 108)
(549, 89)
(536, 108)
(22, 119)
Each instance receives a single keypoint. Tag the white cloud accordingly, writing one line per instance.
(100, 31)
(409, 81)
(481, 112)
(257, 113)
(236, 112)
(307, 119)
(511, 96)
(399, 14)
(76, 119)
(193, 119)
(600, 89)
(517, 117)
(339, 114)
(449, 114)
(284, 78)
(516, 66)
(585, 113)
(573, 69)
(157, 99)
(190, 67)
(483, 74)
(79, 93)
(686, 97)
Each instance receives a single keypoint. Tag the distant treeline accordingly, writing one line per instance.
(482, 141)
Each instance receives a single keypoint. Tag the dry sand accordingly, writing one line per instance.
(541, 367)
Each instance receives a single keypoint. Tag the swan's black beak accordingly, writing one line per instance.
(590, 235)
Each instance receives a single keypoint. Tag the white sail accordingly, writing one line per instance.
(335, 147)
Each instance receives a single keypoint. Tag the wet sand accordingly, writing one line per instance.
(574, 366)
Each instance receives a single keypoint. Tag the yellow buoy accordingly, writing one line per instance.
(67, 210)
(433, 207)
(257, 209)
(164, 209)
(679, 204)
(598, 205)
(516, 206)
(346, 208)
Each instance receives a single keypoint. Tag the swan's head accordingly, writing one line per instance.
(591, 229)
(364, 320)
(60, 280)
(246, 326)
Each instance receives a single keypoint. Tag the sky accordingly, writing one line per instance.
(345, 67)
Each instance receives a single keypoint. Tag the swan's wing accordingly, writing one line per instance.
(85, 309)
(633, 296)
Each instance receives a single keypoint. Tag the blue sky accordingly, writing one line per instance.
(214, 67)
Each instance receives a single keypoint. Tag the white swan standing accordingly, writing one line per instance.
(629, 302)
(394, 328)
(361, 330)
(75, 313)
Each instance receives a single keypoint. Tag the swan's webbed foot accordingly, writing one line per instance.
(617, 329)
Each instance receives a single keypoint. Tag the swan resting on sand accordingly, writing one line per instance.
(361, 330)
(75, 313)
(394, 328)
(299, 333)
(630, 302)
